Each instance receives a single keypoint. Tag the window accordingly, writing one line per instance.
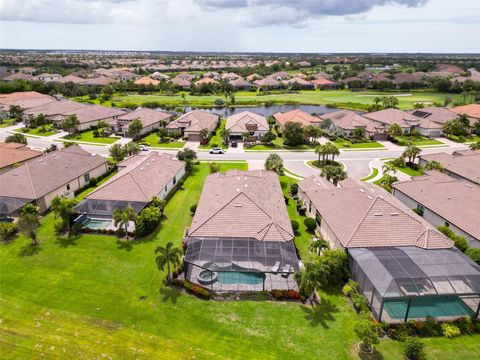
(68, 186)
(166, 188)
(318, 217)
(87, 177)
(419, 210)
(174, 180)
(447, 224)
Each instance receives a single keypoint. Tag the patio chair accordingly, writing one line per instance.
(274, 268)
(286, 271)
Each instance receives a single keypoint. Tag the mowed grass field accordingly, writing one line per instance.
(343, 98)
(92, 296)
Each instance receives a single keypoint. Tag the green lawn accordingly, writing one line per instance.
(341, 98)
(36, 132)
(87, 136)
(372, 175)
(278, 144)
(153, 140)
(92, 296)
(216, 139)
(6, 122)
(417, 141)
(346, 144)
(467, 139)
(408, 170)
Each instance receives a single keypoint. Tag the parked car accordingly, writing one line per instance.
(144, 147)
(217, 151)
(233, 144)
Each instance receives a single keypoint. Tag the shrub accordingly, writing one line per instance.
(219, 102)
(294, 189)
(414, 349)
(93, 182)
(285, 294)
(147, 221)
(347, 290)
(460, 242)
(450, 330)
(295, 225)
(197, 290)
(399, 162)
(474, 254)
(7, 230)
(193, 208)
(311, 224)
(429, 328)
(302, 210)
(367, 335)
(360, 302)
(96, 133)
(214, 167)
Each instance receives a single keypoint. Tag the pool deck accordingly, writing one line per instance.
(272, 281)
(111, 224)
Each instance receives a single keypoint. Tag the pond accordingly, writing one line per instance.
(267, 110)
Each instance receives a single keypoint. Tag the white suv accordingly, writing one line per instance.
(217, 151)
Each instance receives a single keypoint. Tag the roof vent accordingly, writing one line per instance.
(468, 185)
(380, 196)
(14, 174)
(361, 190)
(237, 205)
(142, 168)
(53, 155)
(40, 160)
(378, 214)
(246, 185)
(368, 196)
(394, 214)
(448, 197)
(238, 190)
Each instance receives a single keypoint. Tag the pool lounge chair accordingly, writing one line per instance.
(274, 268)
(286, 271)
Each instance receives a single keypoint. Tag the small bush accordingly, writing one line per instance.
(399, 162)
(360, 302)
(450, 330)
(193, 208)
(474, 254)
(413, 348)
(295, 225)
(197, 290)
(311, 224)
(347, 290)
(294, 189)
(7, 230)
(214, 167)
(93, 182)
(147, 221)
(302, 211)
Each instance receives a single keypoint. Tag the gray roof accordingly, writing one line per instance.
(238, 122)
(195, 121)
(142, 179)
(147, 116)
(242, 204)
(456, 201)
(41, 175)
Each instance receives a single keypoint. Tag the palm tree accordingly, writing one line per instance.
(204, 135)
(63, 208)
(28, 225)
(168, 256)
(331, 149)
(123, 217)
(449, 128)
(433, 165)
(274, 163)
(334, 173)
(313, 277)
(320, 150)
(394, 130)
(225, 135)
(411, 152)
(388, 169)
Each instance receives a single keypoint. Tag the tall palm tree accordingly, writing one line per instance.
(320, 150)
(310, 279)
(168, 256)
(204, 135)
(394, 130)
(433, 165)
(388, 169)
(449, 128)
(411, 152)
(122, 217)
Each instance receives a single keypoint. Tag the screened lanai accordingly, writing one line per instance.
(9, 206)
(405, 283)
(241, 264)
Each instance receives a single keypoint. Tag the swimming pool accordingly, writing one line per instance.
(233, 274)
(423, 307)
(96, 223)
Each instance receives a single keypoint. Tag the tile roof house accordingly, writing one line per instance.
(254, 77)
(26, 100)
(181, 82)
(243, 204)
(71, 78)
(159, 76)
(267, 83)
(193, 122)
(240, 84)
(206, 80)
(296, 115)
(39, 180)
(149, 118)
(14, 153)
(17, 76)
(460, 165)
(299, 82)
(472, 110)
(140, 178)
(366, 216)
(146, 81)
(346, 122)
(323, 83)
(99, 81)
(443, 200)
(48, 77)
(246, 121)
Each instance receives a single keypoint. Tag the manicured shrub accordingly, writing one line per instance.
(302, 211)
(360, 302)
(193, 208)
(367, 335)
(450, 330)
(399, 162)
(414, 349)
(474, 254)
(197, 290)
(93, 182)
(7, 230)
(294, 189)
(214, 167)
(430, 327)
(295, 225)
(460, 242)
(311, 224)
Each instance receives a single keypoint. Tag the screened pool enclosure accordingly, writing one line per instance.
(240, 264)
(405, 283)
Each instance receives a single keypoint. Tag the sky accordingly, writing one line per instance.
(440, 26)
